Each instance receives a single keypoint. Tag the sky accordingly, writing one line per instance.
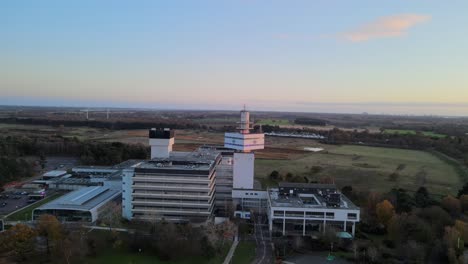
(391, 57)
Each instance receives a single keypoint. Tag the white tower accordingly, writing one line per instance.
(161, 142)
(244, 142)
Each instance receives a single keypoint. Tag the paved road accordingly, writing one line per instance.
(264, 251)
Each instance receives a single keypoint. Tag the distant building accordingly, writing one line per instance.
(54, 174)
(303, 208)
(244, 143)
(83, 205)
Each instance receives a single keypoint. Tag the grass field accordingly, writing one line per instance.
(120, 257)
(245, 253)
(26, 213)
(413, 132)
(369, 168)
(274, 122)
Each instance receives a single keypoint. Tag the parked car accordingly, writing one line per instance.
(16, 197)
(17, 193)
(3, 204)
(24, 193)
(31, 201)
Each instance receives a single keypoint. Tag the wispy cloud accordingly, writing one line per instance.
(385, 27)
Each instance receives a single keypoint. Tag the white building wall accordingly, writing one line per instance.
(295, 213)
(250, 194)
(161, 147)
(244, 142)
(243, 170)
(127, 181)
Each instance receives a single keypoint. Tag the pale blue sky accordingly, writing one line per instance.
(400, 56)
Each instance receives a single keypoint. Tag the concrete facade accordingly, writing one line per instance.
(180, 188)
(243, 170)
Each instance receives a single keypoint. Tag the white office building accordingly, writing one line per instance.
(303, 208)
(174, 186)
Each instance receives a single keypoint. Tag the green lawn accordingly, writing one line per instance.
(368, 168)
(26, 213)
(121, 257)
(245, 253)
(413, 132)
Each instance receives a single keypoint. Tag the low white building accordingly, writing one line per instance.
(303, 208)
(83, 205)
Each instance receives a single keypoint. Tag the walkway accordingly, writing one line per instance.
(228, 258)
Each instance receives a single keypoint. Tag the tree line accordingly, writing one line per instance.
(118, 125)
(50, 241)
(414, 228)
(14, 149)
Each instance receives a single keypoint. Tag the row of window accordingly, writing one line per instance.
(329, 215)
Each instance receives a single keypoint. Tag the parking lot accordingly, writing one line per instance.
(13, 202)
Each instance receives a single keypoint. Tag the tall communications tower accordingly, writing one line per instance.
(244, 142)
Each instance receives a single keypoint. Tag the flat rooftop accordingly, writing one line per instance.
(306, 195)
(75, 181)
(83, 199)
(200, 160)
(127, 164)
(54, 173)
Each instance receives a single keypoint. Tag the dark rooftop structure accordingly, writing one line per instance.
(161, 133)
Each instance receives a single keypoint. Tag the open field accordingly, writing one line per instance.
(413, 132)
(245, 253)
(369, 168)
(82, 133)
(274, 122)
(359, 166)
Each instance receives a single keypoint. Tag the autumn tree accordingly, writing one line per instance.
(464, 202)
(370, 210)
(462, 228)
(452, 205)
(51, 229)
(437, 217)
(72, 248)
(111, 215)
(453, 242)
(385, 211)
(407, 227)
(19, 240)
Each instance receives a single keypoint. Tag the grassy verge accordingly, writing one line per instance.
(274, 122)
(26, 213)
(245, 253)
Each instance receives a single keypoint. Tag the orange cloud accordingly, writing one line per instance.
(385, 27)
